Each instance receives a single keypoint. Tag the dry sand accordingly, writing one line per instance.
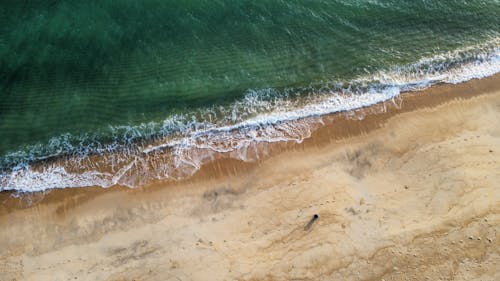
(405, 194)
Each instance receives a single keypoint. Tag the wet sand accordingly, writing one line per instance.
(405, 190)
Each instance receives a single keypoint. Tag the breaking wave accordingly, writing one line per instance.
(177, 147)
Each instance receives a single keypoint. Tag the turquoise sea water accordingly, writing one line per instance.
(140, 83)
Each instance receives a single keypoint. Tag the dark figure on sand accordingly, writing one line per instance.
(310, 223)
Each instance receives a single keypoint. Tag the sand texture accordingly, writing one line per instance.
(416, 197)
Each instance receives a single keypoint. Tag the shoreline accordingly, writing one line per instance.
(334, 127)
(165, 159)
(406, 192)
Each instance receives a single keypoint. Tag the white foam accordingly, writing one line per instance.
(28, 180)
(263, 116)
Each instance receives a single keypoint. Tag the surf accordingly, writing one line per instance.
(181, 144)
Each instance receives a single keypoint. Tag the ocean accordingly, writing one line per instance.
(103, 93)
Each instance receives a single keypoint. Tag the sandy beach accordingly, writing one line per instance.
(405, 190)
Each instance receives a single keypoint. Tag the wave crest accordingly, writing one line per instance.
(177, 147)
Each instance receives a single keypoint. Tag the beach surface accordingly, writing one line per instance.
(404, 190)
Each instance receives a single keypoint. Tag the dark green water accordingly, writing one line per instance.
(75, 76)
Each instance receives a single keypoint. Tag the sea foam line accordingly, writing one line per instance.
(260, 117)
